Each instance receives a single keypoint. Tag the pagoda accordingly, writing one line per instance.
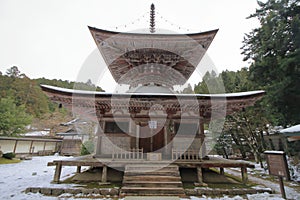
(151, 122)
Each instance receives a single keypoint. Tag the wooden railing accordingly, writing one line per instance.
(182, 154)
(135, 154)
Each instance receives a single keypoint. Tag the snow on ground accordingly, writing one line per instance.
(15, 178)
(291, 193)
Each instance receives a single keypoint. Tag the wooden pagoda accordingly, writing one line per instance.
(151, 123)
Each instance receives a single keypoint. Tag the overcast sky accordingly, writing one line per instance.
(50, 38)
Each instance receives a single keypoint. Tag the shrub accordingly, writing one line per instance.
(9, 155)
(87, 148)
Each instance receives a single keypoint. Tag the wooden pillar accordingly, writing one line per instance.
(44, 147)
(100, 133)
(151, 140)
(244, 174)
(202, 136)
(201, 125)
(104, 174)
(15, 147)
(30, 148)
(199, 175)
(57, 172)
(137, 138)
(56, 147)
(166, 132)
(78, 169)
(221, 170)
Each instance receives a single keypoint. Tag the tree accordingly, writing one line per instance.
(13, 118)
(274, 49)
(13, 72)
(188, 90)
(210, 84)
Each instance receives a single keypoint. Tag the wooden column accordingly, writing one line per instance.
(56, 147)
(104, 174)
(202, 136)
(44, 147)
(100, 133)
(15, 147)
(30, 148)
(132, 133)
(221, 170)
(166, 132)
(244, 174)
(57, 172)
(137, 138)
(78, 169)
(199, 175)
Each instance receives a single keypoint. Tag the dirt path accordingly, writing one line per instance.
(291, 193)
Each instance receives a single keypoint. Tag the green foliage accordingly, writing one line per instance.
(13, 118)
(274, 49)
(24, 91)
(70, 85)
(210, 84)
(187, 90)
(87, 148)
(27, 92)
(9, 155)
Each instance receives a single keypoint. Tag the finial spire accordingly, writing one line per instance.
(152, 18)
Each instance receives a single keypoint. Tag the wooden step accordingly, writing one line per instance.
(153, 173)
(151, 178)
(150, 168)
(162, 184)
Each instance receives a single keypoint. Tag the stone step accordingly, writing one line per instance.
(152, 191)
(151, 178)
(162, 184)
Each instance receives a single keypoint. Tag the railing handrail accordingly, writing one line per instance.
(183, 154)
(133, 153)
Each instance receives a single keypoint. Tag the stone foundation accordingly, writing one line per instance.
(115, 192)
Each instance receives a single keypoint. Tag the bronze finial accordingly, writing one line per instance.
(152, 18)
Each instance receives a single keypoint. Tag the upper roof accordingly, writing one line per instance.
(172, 58)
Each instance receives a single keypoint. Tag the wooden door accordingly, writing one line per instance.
(146, 137)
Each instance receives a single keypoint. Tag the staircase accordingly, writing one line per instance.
(152, 179)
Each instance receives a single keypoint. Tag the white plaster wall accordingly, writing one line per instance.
(24, 146)
(38, 146)
(7, 145)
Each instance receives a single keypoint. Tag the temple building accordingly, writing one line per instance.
(151, 124)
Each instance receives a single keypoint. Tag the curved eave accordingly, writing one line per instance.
(108, 33)
(80, 93)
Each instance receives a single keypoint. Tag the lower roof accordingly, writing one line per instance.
(139, 105)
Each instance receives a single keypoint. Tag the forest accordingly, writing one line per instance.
(272, 49)
(23, 103)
